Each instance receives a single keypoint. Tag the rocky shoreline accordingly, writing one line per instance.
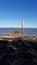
(19, 52)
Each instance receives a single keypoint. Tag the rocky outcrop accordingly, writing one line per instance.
(19, 52)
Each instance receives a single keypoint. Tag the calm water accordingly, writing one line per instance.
(27, 31)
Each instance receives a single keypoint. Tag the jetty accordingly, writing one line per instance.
(18, 49)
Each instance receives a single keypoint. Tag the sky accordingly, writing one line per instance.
(12, 12)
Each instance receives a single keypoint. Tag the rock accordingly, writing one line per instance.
(20, 52)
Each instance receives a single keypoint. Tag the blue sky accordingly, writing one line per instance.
(12, 12)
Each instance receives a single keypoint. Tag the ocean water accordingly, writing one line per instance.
(27, 31)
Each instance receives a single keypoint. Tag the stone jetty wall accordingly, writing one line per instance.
(18, 52)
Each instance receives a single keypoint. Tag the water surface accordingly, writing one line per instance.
(27, 31)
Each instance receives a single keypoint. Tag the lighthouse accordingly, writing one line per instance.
(22, 26)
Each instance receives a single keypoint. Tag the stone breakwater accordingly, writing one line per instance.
(18, 52)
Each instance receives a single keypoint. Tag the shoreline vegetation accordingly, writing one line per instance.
(18, 50)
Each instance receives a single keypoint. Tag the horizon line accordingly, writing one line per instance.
(18, 27)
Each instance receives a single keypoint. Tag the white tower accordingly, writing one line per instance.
(22, 26)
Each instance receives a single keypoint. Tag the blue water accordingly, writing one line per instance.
(27, 31)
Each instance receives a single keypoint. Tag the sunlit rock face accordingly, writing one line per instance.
(19, 52)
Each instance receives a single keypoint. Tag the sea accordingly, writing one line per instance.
(27, 31)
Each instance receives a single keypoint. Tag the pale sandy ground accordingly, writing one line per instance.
(15, 34)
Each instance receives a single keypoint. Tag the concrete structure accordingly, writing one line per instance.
(22, 26)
